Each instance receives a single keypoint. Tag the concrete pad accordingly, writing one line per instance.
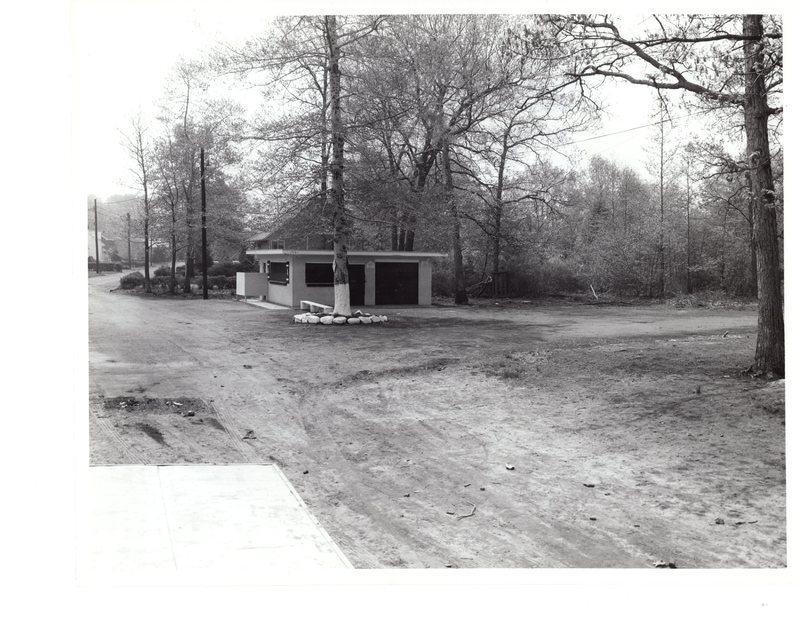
(264, 304)
(198, 524)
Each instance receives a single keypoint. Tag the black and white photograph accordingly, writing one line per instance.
(376, 292)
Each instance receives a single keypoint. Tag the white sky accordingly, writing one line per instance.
(123, 51)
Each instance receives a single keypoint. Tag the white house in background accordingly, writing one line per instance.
(92, 251)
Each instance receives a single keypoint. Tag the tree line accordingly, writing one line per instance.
(449, 132)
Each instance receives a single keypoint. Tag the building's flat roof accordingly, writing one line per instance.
(397, 254)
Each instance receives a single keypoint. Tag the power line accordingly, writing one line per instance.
(109, 213)
(643, 126)
(130, 199)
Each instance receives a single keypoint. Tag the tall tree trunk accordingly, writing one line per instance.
(141, 161)
(459, 285)
(498, 203)
(189, 268)
(173, 248)
(722, 249)
(394, 232)
(147, 285)
(661, 265)
(401, 234)
(409, 244)
(341, 280)
(688, 235)
(325, 144)
(188, 193)
(422, 169)
(752, 285)
(769, 358)
(498, 222)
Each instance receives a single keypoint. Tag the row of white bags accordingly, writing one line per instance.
(310, 318)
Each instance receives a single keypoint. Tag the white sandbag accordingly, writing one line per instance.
(340, 320)
(313, 319)
(365, 319)
(326, 319)
(376, 319)
(353, 321)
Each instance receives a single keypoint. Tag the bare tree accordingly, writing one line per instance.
(138, 148)
(693, 54)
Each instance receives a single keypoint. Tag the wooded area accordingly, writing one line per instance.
(447, 132)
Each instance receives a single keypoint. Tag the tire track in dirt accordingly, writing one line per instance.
(323, 443)
(227, 421)
(434, 541)
(108, 428)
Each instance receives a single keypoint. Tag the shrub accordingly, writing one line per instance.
(106, 267)
(226, 269)
(162, 271)
(131, 280)
(222, 282)
(218, 281)
(553, 277)
(159, 253)
(162, 282)
(442, 280)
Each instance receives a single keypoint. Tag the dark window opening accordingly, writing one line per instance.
(319, 274)
(278, 272)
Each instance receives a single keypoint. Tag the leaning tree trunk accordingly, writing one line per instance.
(341, 280)
(769, 359)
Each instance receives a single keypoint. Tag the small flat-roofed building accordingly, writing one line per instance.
(295, 263)
(288, 276)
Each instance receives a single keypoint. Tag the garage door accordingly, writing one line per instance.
(356, 276)
(396, 283)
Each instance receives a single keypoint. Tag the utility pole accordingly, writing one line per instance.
(130, 263)
(96, 241)
(203, 218)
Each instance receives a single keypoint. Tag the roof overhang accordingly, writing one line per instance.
(327, 253)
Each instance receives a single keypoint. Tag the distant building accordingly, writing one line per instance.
(93, 248)
(116, 249)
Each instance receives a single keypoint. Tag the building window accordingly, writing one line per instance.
(278, 272)
(319, 274)
(276, 244)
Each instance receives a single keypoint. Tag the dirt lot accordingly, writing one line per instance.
(633, 435)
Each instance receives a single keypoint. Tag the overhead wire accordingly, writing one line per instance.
(643, 126)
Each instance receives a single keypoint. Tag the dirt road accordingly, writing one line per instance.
(632, 434)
